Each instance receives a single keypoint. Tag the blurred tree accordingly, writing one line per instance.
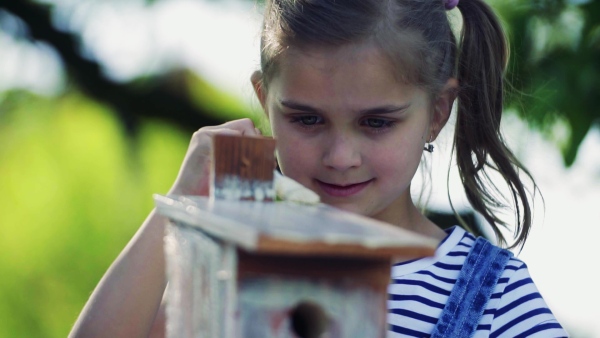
(555, 67)
(554, 70)
(165, 97)
(72, 191)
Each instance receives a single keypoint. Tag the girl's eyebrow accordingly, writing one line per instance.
(386, 109)
(299, 106)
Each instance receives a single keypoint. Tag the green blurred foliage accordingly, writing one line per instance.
(74, 190)
(204, 94)
(555, 67)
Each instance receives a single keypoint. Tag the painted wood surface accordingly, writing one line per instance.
(216, 291)
(346, 310)
(202, 291)
(289, 228)
(306, 296)
(242, 168)
(240, 265)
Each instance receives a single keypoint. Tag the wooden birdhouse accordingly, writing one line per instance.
(241, 264)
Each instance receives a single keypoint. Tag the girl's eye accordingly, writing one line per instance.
(377, 123)
(307, 120)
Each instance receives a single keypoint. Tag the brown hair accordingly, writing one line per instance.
(416, 35)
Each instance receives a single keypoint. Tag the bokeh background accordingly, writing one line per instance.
(98, 99)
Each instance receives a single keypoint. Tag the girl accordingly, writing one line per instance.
(355, 90)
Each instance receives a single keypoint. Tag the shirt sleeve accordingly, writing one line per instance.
(521, 310)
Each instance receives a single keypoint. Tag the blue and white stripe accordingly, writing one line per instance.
(420, 288)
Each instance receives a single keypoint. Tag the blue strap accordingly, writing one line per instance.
(478, 278)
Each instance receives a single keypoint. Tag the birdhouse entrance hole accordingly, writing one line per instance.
(309, 320)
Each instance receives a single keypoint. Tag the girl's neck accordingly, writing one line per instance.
(410, 218)
(422, 225)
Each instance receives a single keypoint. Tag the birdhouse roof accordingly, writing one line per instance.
(295, 229)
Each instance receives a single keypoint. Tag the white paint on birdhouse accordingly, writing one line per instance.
(242, 268)
(241, 265)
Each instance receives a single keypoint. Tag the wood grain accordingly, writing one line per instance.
(272, 245)
(243, 163)
(359, 271)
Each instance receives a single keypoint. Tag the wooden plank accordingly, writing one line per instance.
(357, 271)
(269, 308)
(200, 303)
(281, 227)
(242, 168)
(272, 245)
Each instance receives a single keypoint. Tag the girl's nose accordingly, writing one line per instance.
(341, 154)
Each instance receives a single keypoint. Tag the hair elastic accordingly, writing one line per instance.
(450, 4)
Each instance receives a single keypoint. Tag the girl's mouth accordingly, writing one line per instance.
(342, 190)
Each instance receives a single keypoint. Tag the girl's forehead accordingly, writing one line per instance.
(360, 70)
(332, 57)
(354, 77)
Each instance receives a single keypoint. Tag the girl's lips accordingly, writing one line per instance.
(343, 191)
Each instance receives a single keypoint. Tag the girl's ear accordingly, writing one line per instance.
(259, 90)
(442, 107)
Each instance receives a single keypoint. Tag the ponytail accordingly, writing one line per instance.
(482, 60)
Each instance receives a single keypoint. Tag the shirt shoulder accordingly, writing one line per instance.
(516, 307)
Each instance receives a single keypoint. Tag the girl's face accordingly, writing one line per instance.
(347, 129)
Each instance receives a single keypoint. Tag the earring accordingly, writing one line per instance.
(428, 147)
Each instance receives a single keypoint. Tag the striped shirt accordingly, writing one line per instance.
(420, 288)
